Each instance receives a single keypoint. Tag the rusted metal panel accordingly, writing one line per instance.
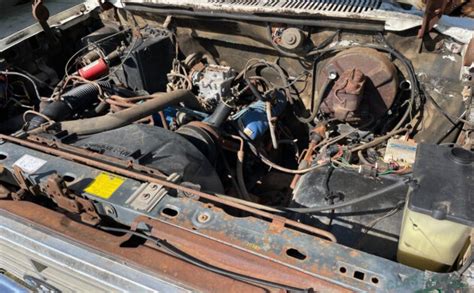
(222, 255)
(85, 157)
(147, 258)
(261, 244)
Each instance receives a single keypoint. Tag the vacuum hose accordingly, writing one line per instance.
(130, 115)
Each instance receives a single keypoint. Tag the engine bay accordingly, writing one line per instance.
(355, 135)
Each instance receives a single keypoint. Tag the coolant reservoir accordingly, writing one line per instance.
(438, 215)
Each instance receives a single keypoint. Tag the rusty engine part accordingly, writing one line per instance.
(468, 9)
(469, 55)
(292, 39)
(433, 12)
(242, 143)
(95, 160)
(41, 14)
(346, 95)
(366, 87)
(125, 117)
(316, 136)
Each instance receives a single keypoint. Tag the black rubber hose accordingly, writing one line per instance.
(316, 100)
(220, 115)
(130, 115)
(240, 176)
(72, 102)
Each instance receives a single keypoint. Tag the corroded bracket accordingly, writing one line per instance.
(61, 195)
(41, 14)
(433, 11)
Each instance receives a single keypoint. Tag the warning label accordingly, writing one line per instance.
(104, 185)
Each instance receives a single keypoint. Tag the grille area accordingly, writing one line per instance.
(352, 6)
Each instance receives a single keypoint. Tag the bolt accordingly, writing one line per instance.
(109, 210)
(203, 218)
(146, 195)
(291, 39)
(332, 75)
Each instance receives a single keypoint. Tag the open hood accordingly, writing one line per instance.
(18, 23)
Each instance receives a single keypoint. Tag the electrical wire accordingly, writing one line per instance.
(323, 44)
(320, 96)
(32, 112)
(271, 124)
(276, 47)
(378, 140)
(240, 169)
(176, 252)
(297, 79)
(132, 46)
(310, 210)
(370, 226)
(37, 80)
(360, 199)
(253, 63)
(67, 65)
(326, 41)
(95, 43)
(469, 262)
(273, 165)
(414, 89)
(228, 169)
(25, 77)
(453, 120)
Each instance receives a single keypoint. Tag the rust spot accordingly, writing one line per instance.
(65, 222)
(354, 253)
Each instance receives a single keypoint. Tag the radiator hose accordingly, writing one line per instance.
(130, 115)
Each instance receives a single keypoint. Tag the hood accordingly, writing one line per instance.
(18, 23)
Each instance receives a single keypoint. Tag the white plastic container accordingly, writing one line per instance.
(439, 213)
(430, 244)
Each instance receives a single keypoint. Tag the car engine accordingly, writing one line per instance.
(361, 135)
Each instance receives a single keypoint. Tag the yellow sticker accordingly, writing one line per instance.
(104, 185)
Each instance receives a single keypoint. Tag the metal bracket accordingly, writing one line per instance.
(41, 14)
(433, 11)
(23, 182)
(60, 194)
(149, 194)
(277, 225)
